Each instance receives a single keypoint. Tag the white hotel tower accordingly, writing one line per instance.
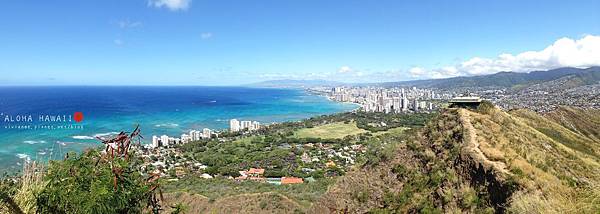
(234, 125)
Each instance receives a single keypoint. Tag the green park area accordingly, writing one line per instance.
(330, 131)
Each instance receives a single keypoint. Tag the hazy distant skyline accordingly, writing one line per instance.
(226, 42)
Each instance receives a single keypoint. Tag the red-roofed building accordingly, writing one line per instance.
(254, 172)
(291, 180)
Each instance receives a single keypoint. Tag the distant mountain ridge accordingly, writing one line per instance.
(288, 83)
(507, 79)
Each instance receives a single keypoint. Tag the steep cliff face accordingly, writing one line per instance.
(484, 161)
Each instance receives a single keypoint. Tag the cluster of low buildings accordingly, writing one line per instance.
(343, 156)
(257, 174)
(169, 162)
(387, 100)
(244, 125)
(542, 97)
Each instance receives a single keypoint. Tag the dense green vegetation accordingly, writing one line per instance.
(79, 184)
(375, 122)
(229, 158)
(436, 180)
(435, 170)
(91, 182)
(85, 183)
(278, 148)
(95, 182)
(218, 188)
(476, 161)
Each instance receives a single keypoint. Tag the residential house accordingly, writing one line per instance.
(291, 180)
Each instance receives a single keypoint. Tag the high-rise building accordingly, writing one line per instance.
(234, 125)
(191, 134)
(255, 125)
(397, 104)
(164, 140)
(245, 125)
(404, 104)
(416, 105)
(206, 133)
(185, 138)
(195, 135)
(155, 141)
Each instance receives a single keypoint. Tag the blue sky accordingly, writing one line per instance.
(226, 42)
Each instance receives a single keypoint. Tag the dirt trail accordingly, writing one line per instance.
(472, 144)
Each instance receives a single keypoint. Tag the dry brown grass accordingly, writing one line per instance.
(244, 203)
(363, 188)
(582, 121)
(556, 201)
(30, 184)
(556, 176)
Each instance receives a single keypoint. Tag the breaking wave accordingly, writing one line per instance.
(34, 141)
(83, 137)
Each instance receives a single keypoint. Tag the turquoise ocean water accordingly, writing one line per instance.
(37, 123)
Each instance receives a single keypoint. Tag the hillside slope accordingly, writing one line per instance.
(440, 169)
(584, 122)
(266, 202)
(482, 161)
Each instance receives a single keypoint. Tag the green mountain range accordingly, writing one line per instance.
(505, 79)
(584, 76)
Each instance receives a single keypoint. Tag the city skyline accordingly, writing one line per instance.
(191, 42)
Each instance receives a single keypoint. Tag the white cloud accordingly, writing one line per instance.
(345, 69)
(206, 35)
(172, 5)
(416, 71)
(565, 52)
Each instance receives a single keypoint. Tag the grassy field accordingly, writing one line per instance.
(333, 130)
(394, 131)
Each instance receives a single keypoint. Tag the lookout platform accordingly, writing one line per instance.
(465, 102)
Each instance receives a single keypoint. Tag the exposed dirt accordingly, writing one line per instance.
(471, 145)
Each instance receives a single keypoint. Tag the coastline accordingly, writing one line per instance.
(321, 94)
(286, 105)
